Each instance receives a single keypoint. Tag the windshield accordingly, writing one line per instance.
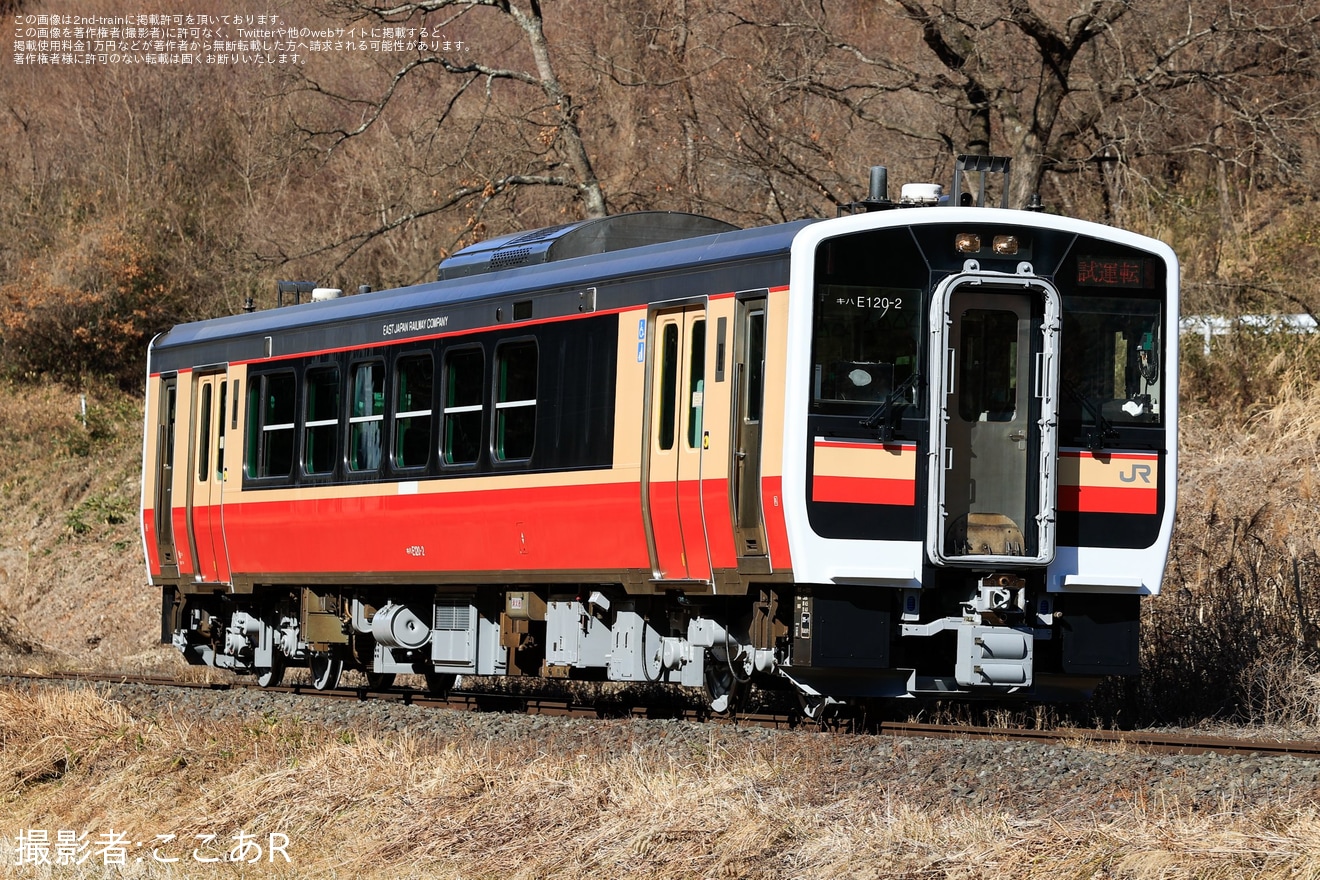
(864, 347)
(867, 313)
(1111, 361)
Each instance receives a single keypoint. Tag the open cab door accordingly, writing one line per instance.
(994, 424)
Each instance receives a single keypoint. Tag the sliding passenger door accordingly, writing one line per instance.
(206, 458)
(671, 493)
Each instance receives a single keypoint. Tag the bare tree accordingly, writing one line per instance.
(1068, 87)
(556, 156)
(760, 145)
(650, 66)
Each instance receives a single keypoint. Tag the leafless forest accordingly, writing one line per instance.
(140, 195)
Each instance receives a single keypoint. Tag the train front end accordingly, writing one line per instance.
(980, 451)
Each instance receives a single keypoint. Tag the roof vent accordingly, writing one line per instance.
(321, 294)
(579, 239)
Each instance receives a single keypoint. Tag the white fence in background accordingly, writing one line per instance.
(1210, 326)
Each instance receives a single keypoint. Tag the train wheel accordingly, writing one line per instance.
(439, 682)
(724, 690)
(271, 676)
(380, 681)
(326, 669)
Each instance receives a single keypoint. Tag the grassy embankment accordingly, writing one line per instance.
(72, 583)
(369, 807)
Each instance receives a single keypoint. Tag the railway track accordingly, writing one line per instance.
(1145, 741)
(1141, 740)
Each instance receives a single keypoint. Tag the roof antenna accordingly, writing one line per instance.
(877, 196)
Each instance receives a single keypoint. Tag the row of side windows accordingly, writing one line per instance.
(364, 412)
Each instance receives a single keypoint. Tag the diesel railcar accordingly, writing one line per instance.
(926, 447)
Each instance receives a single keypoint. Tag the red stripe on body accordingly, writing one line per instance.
(863, 490)
(149, 539)
(694, 535)
(821, 443)
(547, 528)
(719, 523)
(182, 551)
(776, 529)
(1099, 499)
(666, 531)
(555, 528)
(1104, 455)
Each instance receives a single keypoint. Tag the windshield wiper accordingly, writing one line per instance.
(1102, 430)
(884, 412)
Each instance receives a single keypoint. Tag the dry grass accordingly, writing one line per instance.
(1235, 636)
(72, 584)
(375, 807)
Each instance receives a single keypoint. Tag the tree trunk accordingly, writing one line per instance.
(593, 197)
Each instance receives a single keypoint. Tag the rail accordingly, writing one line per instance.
(1147, 741)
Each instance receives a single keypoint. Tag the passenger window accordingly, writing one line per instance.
(367, 405)
(271, 411)
(321, 425)
(413, 385)
(463, 405)
(515, 400)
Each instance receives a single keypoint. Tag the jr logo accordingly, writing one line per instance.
(1138, 470)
